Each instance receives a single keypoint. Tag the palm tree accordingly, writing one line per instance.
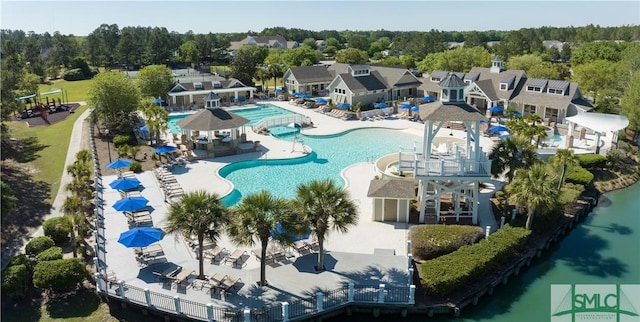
(533, 188)
(157, 118)
(275, 71)
(564, 158)
(74, 211)
(255, 220)
(324, 207)
(198, 213)
(510, 154)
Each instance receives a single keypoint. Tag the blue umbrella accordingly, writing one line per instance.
(296, 94)
(322, 101)
(405, 106)
(428, 99)
(130, 203)
(343, 106)
(504, 136)
(306, 96)
(117, 164)
(415, 108)
(140, 236)
(125, 183)
(144, 129)
(381, 105)
(158, 100)
(484, 121)
(279, 90)
(498, 128)
(496, 108)
(165, 149)
(516, 113)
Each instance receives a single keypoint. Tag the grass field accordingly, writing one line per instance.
(75, 91)
(49, 166)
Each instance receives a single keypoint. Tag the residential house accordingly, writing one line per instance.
(321, 44)
(367, 84)
(193, 94)
(312, 80)
(551, 99)
(267, 41)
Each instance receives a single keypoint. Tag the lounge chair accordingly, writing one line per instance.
(230, 283)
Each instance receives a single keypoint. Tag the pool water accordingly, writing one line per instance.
(331, 154)
(253, 114)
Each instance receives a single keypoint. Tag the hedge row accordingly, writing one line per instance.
(451, 272)
(431, 241)
(579, 175)
(591, 161)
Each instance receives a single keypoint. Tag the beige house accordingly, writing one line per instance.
(553, 100)
(312, 80)
(266, 41)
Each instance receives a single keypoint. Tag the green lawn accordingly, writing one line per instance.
(75, 91)
(49, 166)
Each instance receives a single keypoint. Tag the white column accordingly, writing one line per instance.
(285, 311)
(423, 202)
(319, 302)
(569, 139)
(474, 200)
(176, 302)
(381, 293)
(235, 93)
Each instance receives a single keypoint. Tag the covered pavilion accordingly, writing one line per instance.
(600, 123)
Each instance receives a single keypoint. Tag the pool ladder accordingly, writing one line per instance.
(299, 140)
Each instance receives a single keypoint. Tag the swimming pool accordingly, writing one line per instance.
(331, 154)
(253, 114)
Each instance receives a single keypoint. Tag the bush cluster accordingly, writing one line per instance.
(431, 241)
(579, 175)
(121, 140)
(592, 161)
(451, 272)
(59, 275)
(50, 254)
(58, 228)
(135, 167)
(39, 244)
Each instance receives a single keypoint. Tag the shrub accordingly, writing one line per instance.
(591, 161)
(134, 150)
(569, 194)
(59, 275)
(451, 272)
(58, 228)
(135, 167)
(579, 175)
(73, 74)
(15, 280)
(120, 140)
(50, 254)
(616, 156)
(436, 240)
(21, 259)
(39, 244)
(123, 150)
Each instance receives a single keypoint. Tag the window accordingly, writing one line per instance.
(551, 114)
(410, 91)
(534, 89)
(555, 91)
(435, 79)
(504, 86)
(467, 81)
(529, 109)
(454, 95)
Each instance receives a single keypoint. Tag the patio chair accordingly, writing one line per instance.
(269, 258)
(230, 283)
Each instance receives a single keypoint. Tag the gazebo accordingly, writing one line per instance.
(600, 123)
(213, 129)
(391, 199)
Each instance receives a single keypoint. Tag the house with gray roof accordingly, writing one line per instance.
(553, 100)
(368, 84)
(266, 41)
(312, 80)
(194, 94)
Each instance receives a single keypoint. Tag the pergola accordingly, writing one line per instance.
(599, 123)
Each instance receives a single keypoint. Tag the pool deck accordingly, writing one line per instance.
(363, 255)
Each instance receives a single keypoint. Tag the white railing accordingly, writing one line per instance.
(452, 168)
(280, 120)
(295, 309)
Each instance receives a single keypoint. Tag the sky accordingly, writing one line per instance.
(82, 17)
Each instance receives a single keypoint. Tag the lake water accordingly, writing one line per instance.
(603, 249)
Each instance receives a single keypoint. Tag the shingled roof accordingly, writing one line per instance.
(307, 74)
(212, 119)
(391, 189)
(455, 112)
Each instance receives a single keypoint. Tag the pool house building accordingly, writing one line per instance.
(449, 174)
